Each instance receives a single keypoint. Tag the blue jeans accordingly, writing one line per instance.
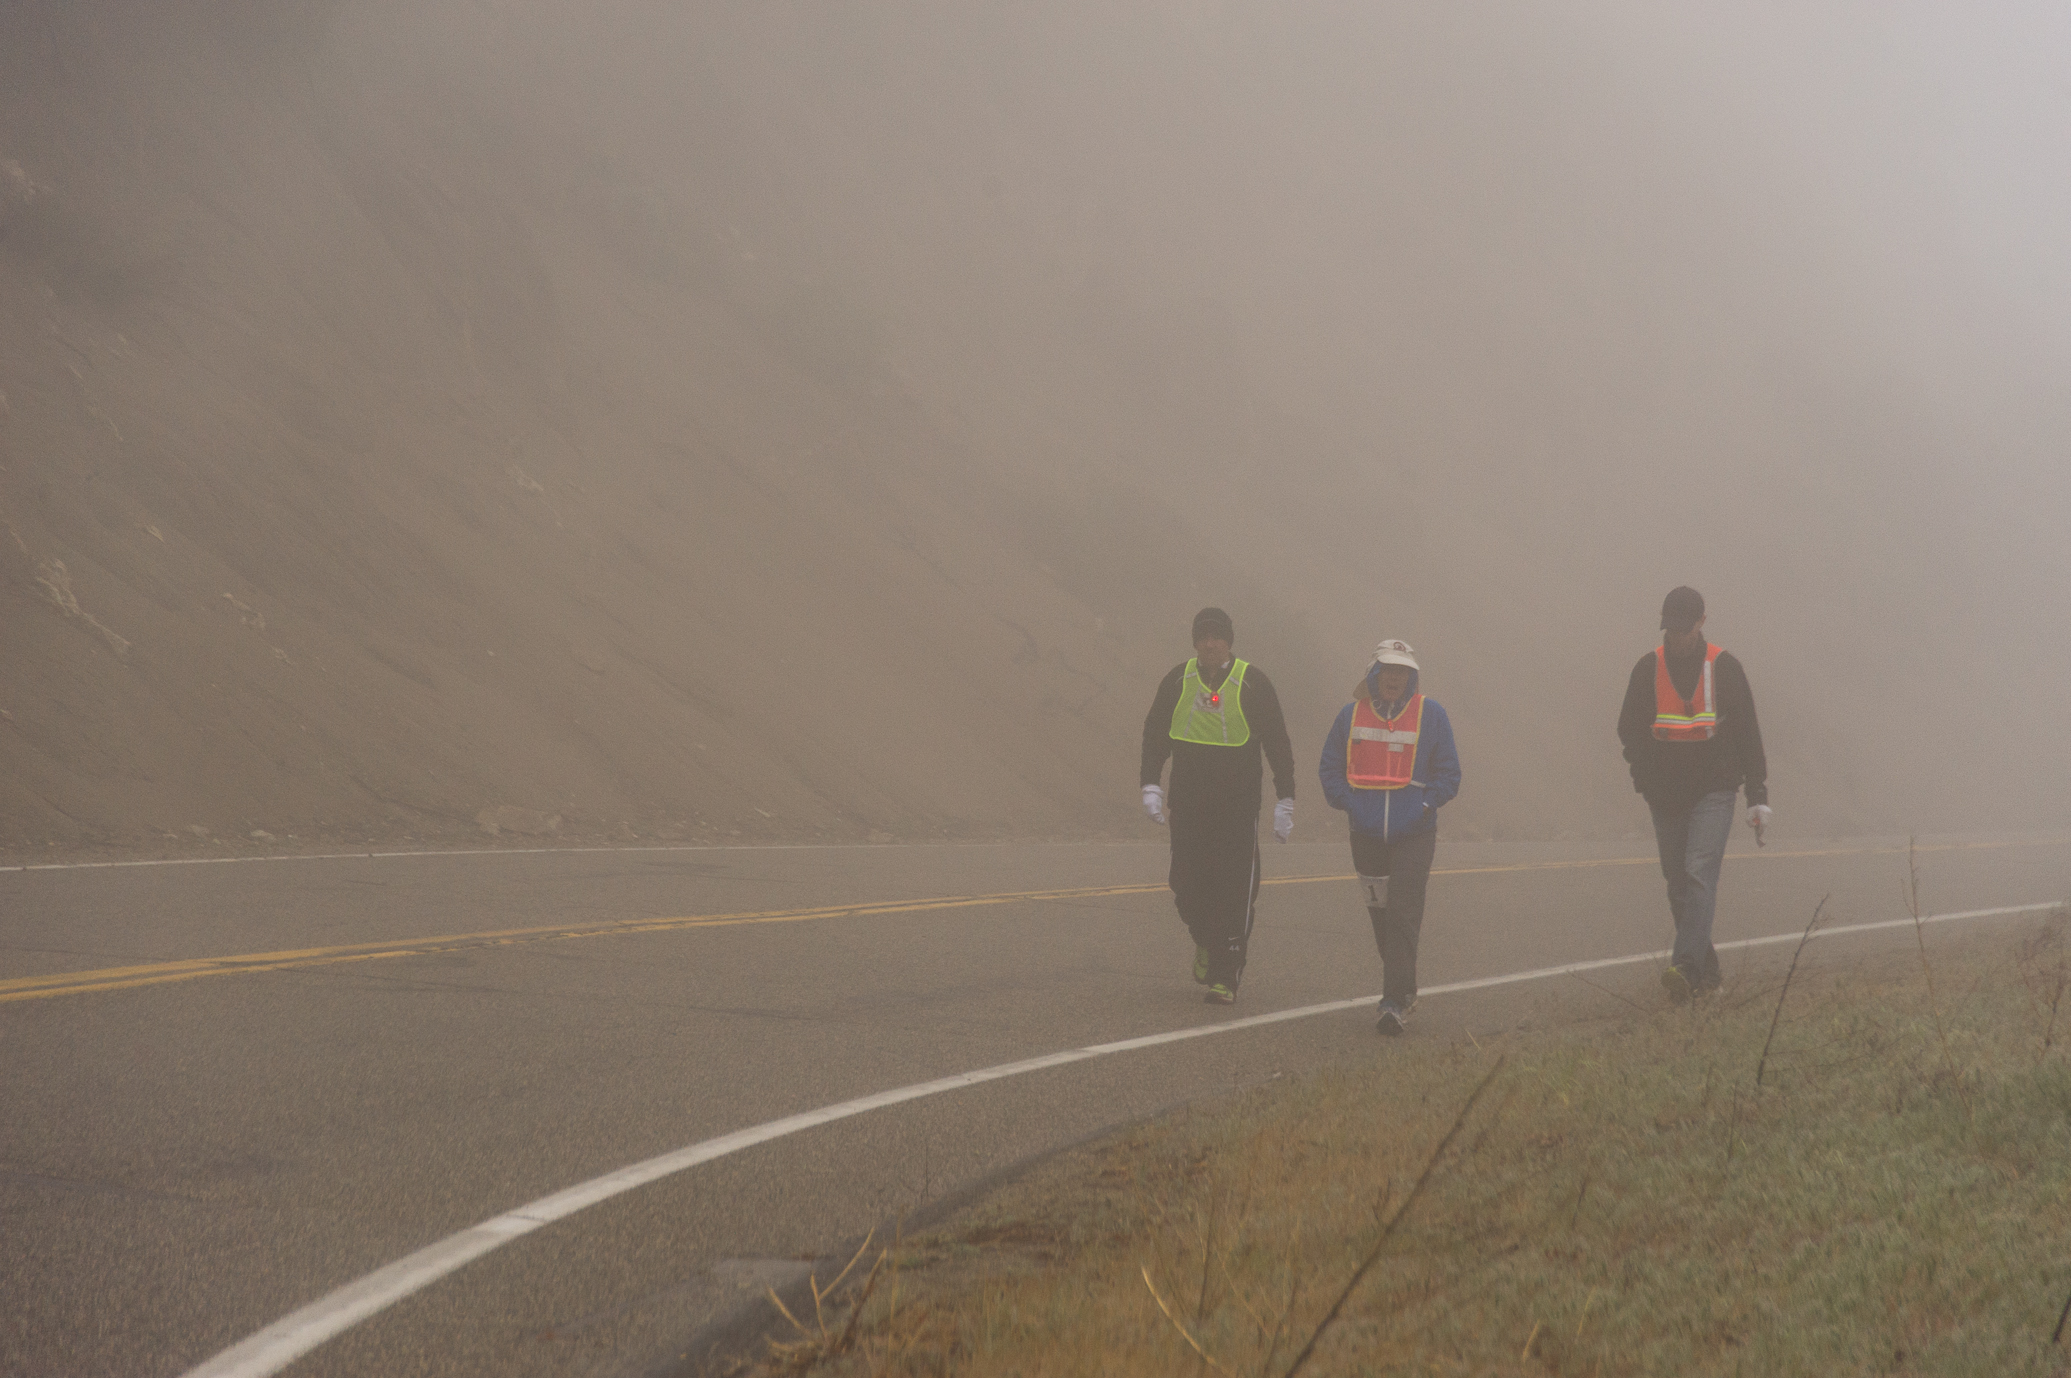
(1693, 846)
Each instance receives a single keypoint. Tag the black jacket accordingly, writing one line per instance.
(1675, 775)
(1220, 776)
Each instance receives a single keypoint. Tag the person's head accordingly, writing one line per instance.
(1214, 634)
(1393, 671)
(1682, 620)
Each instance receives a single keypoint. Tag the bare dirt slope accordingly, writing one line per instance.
(355, 480)
(769, 421)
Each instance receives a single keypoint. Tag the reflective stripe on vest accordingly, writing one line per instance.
(1380, 752)
(1211, 717)
(1677, 719)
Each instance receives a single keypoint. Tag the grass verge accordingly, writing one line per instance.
(1618, 1197)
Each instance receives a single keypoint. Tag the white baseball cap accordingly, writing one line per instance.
(1396, 653)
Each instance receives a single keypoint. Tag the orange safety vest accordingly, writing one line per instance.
(1677, 719)
(1380, 752)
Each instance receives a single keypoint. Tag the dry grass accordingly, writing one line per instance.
(1623, 1199)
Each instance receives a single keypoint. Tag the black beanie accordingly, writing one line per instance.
(1214, 620)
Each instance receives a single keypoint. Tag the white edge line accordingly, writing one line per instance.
(289, 1338)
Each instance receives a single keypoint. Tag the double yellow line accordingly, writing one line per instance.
(194, 969)
(161, 973)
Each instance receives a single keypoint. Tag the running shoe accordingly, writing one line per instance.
(1220, 994)
(1676, 982)
(1391, 1017)
(1200, 965)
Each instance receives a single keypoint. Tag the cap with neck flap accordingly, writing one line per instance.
(1391, 652)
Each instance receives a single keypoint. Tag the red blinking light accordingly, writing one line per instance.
(1214, 699)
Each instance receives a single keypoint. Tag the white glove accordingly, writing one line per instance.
(1758, 819)
(1283, 819)
(1154, 802)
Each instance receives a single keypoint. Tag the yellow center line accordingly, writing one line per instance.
(163, 973)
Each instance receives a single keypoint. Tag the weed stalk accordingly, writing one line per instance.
(1817, 909)
(825, 1342)
(1374, 1255)
(2050, 937)
(1215, 1201)
(848, 1332)
(1294, 1288)
(1180, 1325)
(1601, 989)
(1911, 888)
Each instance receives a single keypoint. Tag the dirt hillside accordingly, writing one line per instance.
(361, 477)
(423, 420)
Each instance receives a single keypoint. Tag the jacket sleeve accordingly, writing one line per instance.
(1157, 726)
(1330, 770)
(1636, 723)
(1737, 702)
(1442, 766)
(1270, 723)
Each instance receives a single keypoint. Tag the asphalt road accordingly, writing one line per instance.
(192, 1149)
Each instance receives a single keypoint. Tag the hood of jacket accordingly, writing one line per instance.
(1369, 686)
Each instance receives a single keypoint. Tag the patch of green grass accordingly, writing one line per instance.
(1622, 1199)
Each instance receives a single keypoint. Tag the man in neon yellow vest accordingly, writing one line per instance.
(1215, 716)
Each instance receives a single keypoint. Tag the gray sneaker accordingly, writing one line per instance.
(1391, 1017)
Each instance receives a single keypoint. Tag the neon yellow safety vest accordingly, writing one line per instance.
(1211, 717)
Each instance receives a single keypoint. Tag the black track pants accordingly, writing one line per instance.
(1215, 883)
(1407, 864)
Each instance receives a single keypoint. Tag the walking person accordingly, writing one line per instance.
(1390, 763)
(1215, 716)
(1692, 740)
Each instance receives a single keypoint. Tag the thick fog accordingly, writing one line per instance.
(779, 419)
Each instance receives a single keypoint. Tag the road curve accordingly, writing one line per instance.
(236, 1089)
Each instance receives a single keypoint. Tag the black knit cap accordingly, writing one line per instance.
(1214, 621)
(1681, 609)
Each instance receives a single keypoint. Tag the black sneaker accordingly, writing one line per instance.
(1676, 982)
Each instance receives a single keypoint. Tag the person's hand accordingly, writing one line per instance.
(1283, 819)
(1154, 802)
(1758, 819)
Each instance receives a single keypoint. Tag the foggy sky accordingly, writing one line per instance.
(1572, 304)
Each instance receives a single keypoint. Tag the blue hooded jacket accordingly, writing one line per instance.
(1393, 814)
